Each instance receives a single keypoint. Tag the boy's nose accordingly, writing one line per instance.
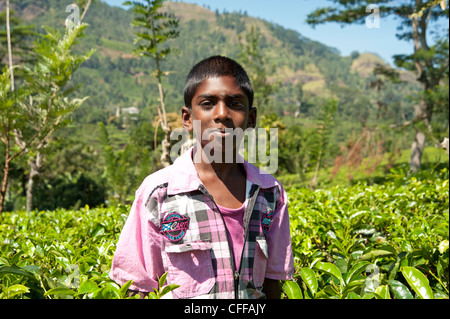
(221, 111)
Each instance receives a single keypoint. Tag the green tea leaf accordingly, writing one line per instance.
(292, 290)
(124, 289)
(330, 269)
(87, 287)
(60, 291)
(382, 292)
(151, 295)
(376, 253)
(162, 280)
(109, 291)
(16, 290)
(309, 277)
(16, 271)
(166, 289)
(355, 282)
(400, 290)
(418, 282)
(352, 295)
(356, 270)
(443, 246)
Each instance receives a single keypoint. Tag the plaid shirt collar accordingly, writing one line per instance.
(185, 177)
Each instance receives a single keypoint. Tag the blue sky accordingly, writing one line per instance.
(292, 14)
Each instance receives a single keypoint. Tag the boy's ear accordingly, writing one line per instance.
(252, 117)
(186, 119)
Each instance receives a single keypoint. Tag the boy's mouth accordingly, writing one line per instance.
(223, 132)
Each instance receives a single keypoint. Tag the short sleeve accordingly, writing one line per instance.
(138, 252)
(280, 264)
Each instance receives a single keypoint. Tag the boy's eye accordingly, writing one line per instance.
(236, 104)
(206, 103)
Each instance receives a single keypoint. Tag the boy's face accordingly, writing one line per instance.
(218, 104)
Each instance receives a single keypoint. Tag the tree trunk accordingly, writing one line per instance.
(4, 185)
(417, 148)
(7, 159)
(5, 176)
(165, 156)
(418, 144)
(85, 10)
(35, 166)
(8, 37)
(315, 179)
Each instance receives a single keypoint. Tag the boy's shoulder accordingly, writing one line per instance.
(158, 178)
(258, 176)
(178, 177)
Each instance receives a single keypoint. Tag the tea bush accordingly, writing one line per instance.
(379, 241)
(60, 254)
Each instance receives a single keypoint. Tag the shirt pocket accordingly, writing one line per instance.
(260, 261)
(190, 266)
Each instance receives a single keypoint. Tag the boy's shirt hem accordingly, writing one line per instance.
(172, 223)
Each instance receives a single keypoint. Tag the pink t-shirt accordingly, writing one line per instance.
(234, 220)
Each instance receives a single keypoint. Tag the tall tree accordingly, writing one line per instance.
(318, 147)
(8, 43)
(35, 160)
(154, 29)
(29, 116)
(17, 37)
(257, 66)
(430, 62)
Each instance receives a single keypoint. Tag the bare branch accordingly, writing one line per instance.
(85, 10)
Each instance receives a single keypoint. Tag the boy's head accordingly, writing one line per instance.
(216, 66)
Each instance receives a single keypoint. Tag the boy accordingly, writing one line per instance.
(219, 228)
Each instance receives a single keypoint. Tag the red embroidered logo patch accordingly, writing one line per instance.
(174, 227)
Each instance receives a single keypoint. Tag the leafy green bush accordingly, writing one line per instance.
(60, 254)
(63, 254)
(380, 241)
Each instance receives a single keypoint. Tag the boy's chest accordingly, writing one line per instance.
(230, 197)
(194, 217)
(227, 192)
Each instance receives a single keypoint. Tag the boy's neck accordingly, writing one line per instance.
(225, 181)
(223, 170)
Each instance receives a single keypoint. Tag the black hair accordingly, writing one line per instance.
(216, 66)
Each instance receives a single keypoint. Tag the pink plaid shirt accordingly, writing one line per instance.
(175, 226)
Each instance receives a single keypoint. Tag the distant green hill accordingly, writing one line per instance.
(114, 78)
(307, 71)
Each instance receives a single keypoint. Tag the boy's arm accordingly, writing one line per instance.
(272, 288)
(280, 264)
(138, 251)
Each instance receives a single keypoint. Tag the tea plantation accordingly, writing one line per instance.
(378, 241)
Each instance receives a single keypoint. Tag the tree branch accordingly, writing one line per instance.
(406, 123)
(85, 10)
(24, 147)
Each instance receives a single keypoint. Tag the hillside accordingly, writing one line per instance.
(306, 72)
(114, 78)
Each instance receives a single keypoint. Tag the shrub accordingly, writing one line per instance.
(380, 241)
